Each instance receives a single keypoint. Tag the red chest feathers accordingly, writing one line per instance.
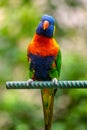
(43, 46)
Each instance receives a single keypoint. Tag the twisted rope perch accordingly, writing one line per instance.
(45, 84)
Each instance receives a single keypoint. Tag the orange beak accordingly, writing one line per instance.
(45, 24)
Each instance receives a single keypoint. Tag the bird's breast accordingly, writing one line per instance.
(43, 46)
(42, 51)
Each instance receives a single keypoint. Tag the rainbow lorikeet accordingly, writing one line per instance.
(44, 57)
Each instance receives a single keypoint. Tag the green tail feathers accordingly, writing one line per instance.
(48, 102)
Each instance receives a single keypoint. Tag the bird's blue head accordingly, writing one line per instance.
(46, 26)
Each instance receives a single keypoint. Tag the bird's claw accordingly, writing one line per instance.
(55, 81)
(29, 81)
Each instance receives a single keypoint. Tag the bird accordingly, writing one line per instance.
(44, 60)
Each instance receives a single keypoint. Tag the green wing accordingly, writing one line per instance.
(58, 62)
(31, 71)
(55, 70)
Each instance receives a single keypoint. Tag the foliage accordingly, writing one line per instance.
(22, 110)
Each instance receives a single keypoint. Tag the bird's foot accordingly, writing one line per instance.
(29, 81)
(55, 81)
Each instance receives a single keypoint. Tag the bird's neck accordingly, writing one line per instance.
(42, 39)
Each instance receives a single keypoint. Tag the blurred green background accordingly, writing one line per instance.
(22, 109)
